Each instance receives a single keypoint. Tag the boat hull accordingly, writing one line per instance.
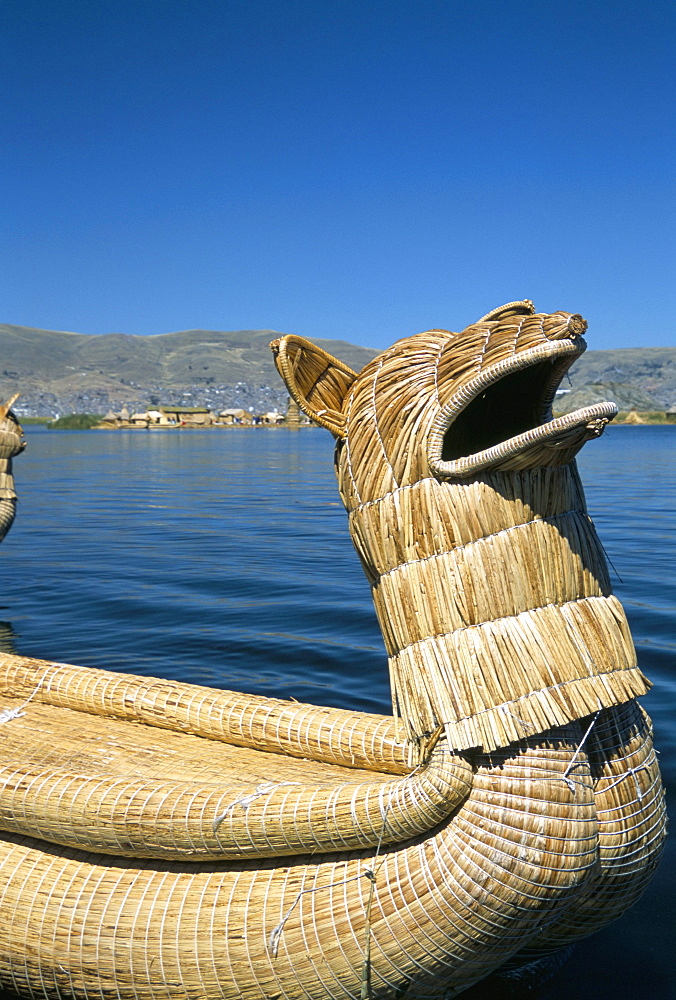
(542, 831)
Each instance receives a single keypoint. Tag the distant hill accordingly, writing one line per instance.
(640, 378)
(58, 372)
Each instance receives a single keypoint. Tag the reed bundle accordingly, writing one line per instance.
(331, 735)
(71, 778)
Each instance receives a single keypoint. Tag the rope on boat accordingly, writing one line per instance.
(578, 751)
(8, 714)
(245, 801)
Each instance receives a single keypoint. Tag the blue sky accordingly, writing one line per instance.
(358, 169)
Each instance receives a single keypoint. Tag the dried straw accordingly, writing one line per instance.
(334, 736)
(75, 779)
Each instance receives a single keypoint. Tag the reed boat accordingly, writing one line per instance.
(12, 443)
(164, 840)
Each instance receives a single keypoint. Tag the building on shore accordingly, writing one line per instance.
(188, 416)
(235, 416)
(272, 418)
(198, 416)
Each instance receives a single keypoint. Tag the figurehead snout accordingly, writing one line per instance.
(500, 417)
(574, 326)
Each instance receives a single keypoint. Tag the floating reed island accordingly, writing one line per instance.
(163, 840)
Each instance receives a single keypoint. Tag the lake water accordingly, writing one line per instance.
(223, 558)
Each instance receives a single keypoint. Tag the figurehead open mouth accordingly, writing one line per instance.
(501, 417)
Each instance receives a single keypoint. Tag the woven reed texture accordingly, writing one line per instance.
(518, 862)
(469, 517)
(116, 787)
(320, 383)
(632, 823)
(335, 736)
(429, 917)
(11, 444)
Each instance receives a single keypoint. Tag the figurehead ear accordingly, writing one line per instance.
(317, 381)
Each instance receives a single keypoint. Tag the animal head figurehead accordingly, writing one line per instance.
(449, 405)
(469, 518)
(11, 443)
